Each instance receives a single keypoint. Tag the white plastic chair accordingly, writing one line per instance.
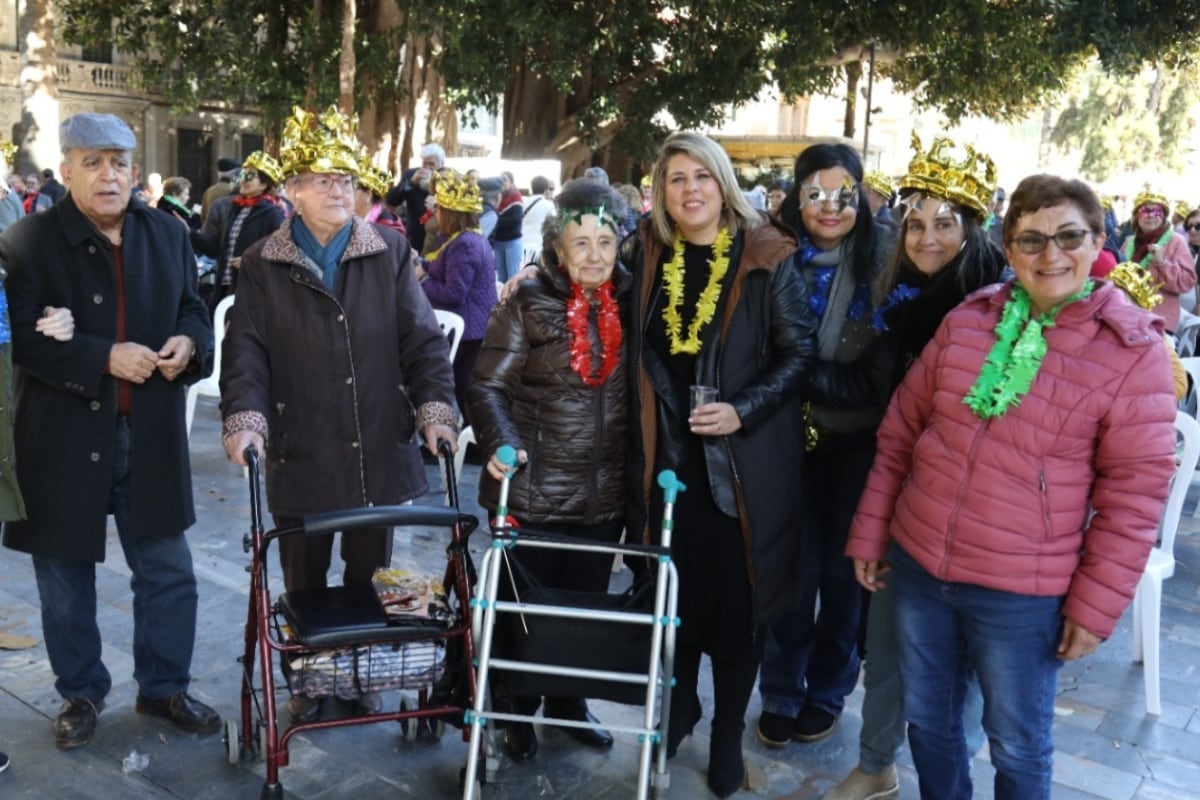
(465, 437)
(1191, 402)
(1147, 601)
(453, 326)
(1185, 334)
(210, 386)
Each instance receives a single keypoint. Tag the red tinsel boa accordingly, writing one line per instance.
(608, 322)
(245, 201)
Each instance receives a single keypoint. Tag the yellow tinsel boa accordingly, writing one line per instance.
(706, 305)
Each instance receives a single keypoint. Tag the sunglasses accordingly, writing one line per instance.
(1150, 211)
(1192, 226)
(248, 175)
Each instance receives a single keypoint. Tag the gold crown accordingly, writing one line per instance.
(1182, 208)
(264, 163)
(325, 143)
(1149, 197)
(372, 177)
(879, 182)
(455, 193)
(969, 181)
(1137, 283)
(7, 150)
(1106, 201)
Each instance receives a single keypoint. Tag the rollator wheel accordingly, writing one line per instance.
(232, 746)
(436, 728)
(410, 727)
(262, 740)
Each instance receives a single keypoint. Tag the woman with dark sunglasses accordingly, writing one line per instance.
(1156, 247)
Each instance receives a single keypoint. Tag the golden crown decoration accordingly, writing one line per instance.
(879, 182)
(1182, 208)
(324, 143)
(7, 150)
(968, 181)
(265, 164)
(1137, 283)
(372, 178)
(454, 192)
(1149, 197)
(1107, 201)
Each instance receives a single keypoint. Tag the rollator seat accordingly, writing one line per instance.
(345, 615)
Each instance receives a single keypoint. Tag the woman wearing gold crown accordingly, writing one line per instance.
(1022, 471)
(1158, 249)
(718, 303)
(373, 184)
(943, 255)
(256, 213)
(332, 363)
(459, 274)
(551, 381)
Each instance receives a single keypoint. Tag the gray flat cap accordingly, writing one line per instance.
(95, 132)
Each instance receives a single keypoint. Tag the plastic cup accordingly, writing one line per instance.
(702, 395)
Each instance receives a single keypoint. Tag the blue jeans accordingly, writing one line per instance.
(164, 605)
(883, 723)
(945, 629)
(508, 259)
(811, 657)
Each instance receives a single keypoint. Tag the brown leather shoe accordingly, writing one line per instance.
(183, 711)
(76, 722)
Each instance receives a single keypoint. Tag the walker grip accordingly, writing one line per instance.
(670, 484)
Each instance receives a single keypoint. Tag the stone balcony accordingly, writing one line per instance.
(79, 77)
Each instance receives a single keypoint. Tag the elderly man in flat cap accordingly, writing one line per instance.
(100, 424)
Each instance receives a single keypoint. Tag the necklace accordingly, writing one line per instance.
(1015, 358)
(706, 305)
(608, 324)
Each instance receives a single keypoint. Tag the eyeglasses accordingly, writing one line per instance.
(1150, 211)
(322, 184)
(248, 175)
(1033, 243)
(844, 196)
(1192, 226)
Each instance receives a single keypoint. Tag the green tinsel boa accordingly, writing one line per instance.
(1015, 358)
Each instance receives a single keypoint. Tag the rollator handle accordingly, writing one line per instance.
(670, 484)
(507, 455)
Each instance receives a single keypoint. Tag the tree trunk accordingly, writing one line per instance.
(310, 91)
(346, 62)
(1154, 101)
(1045, 141)
(39, 89)
(853, 74)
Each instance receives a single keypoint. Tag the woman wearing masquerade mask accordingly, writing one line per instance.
(1157, 248)
(1024, 462)
(810, 661)
(943, 255)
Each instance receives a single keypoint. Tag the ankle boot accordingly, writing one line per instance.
(685, 713)
(726, 769)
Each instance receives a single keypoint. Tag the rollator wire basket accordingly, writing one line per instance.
(647, 677)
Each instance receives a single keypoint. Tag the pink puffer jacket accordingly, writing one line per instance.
(1004, 503)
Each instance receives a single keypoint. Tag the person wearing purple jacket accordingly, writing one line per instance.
(459, 274)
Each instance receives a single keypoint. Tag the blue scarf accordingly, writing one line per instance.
(5, 330)
(327, 258)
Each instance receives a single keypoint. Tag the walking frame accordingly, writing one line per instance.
(663, 623)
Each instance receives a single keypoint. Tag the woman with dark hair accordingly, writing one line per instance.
(458, 274)
(1022, 471)
(1191, 228)
(944, 254)
(506, 237)
(718, 304)
(1157, 248)
(811, 660)
(551, 381)
(372, 186)
(256, 214)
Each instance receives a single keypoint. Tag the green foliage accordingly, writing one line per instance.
(1112, 118)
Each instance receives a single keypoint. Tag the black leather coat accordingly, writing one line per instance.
(525, 394)
(760, 364)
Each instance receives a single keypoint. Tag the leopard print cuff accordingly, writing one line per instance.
(437, 413)
(240, 421)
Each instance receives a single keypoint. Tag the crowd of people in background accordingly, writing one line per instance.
(897, 406)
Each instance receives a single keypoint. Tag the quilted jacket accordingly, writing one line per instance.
(524, 393)
(1060, 496)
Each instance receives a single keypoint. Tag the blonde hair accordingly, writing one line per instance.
(736, 212)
